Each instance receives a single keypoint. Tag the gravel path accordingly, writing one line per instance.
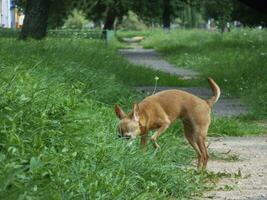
(152, 59)
(252, 166)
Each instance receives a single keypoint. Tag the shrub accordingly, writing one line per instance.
(131, 22)
(76, 20)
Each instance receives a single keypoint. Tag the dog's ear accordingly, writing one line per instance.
(119, 112)
(136, 112)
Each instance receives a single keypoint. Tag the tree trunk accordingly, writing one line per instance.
(36, 17)
(166, 15)
(110, 19)
(109, 22)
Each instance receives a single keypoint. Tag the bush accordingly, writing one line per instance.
(76, 20)
(131, 22)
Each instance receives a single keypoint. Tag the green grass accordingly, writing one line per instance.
(234, 126)
(236, 60)
(58, 135)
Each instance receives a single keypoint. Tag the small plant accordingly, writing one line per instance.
(156, 83)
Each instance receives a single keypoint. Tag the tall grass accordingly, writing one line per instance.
(237, 60)
(58, 137)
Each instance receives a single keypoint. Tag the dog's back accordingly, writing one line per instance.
(174, 104)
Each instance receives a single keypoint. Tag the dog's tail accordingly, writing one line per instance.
(216, 92)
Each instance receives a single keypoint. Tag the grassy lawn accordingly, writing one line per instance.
(58, 129)
(237, 60)
(58, 138)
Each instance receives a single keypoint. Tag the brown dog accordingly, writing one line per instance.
(158, 111)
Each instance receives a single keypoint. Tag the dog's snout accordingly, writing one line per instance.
(124, 136)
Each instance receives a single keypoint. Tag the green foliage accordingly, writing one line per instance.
(58, 135)
(131, 22)
(236, 60)
(76, 20)
(190, 12)
(248, 16)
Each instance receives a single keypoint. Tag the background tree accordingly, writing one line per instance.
(249, 16)
(36, 19)
(219, 10)
(41, 14)
(149, 11)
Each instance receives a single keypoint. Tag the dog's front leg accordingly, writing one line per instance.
(144, 142)
(158, 133)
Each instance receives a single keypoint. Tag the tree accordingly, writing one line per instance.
(249, 16)
(220, 11)
(259, 5)
(149, 11)
(36, 18)
(166, 14)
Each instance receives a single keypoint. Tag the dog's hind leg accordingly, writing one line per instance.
(204, 151)
(202, 146)
(191, 136)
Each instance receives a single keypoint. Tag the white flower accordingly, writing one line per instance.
(156, 78)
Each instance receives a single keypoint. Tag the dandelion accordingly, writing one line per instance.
(156, 82)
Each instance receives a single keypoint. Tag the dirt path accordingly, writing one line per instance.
(250, 168)
(152, 59)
